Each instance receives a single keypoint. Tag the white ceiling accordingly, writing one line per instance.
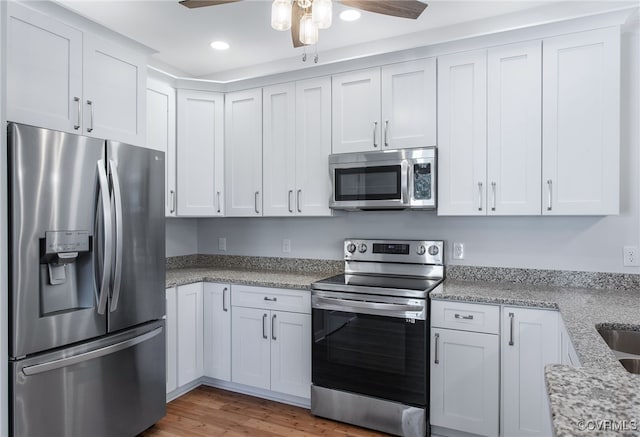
(181, 36)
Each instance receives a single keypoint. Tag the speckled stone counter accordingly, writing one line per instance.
(259, 271)
(582, 399)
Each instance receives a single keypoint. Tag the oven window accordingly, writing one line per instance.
(368, 183)
(378, 356)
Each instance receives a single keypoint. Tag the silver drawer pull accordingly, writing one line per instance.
(436, 360)
(271, 299)
(511, 317)
(469, 317)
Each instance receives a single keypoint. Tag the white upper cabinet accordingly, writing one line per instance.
(356, 111)
(200, 153)
(243, 153)
(61, 78)
(409, 104)
(114, 91)
(385, 108)
(581, 123)
(279, 146)
(44, 71)
(514, 146)
(462, 133)
(161, 135)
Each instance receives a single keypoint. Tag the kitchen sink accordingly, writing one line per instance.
(631, 364)
(627, 342)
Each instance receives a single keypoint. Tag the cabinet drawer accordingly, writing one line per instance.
(298, 301)
(465, 316)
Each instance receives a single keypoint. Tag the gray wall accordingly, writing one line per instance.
(566, 243)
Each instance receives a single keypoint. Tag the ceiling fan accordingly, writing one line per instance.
(297, 14)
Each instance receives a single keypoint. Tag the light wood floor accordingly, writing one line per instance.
(208, 411)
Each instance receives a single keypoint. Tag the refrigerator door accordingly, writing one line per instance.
(110, 387)
(57, 250)
(138, 276)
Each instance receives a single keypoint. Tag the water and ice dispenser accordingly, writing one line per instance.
(65, 271)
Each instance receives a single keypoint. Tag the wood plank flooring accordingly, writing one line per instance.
(208, 411)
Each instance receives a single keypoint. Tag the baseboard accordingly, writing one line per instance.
(183, 389)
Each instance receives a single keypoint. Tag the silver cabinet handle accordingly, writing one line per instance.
(264, 330)
(101, 299)
(298, 200)
(375, 129)
(224, 300)
(77, 100)
(69, 361)
(90, 127)
(271, 299)
(256, 202)
(173, 201)
(437, 339)
(273, 327)
(117, 197)
(493, 196)
(218, 197)
(469, 317)
(511, 317)
(549, 186)
(386, 132)
(289, 200)
(480, 196)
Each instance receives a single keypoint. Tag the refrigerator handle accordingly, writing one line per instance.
(69, 361)
(108, 237)
(117, 274)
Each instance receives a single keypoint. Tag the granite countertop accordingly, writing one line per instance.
(599, 396)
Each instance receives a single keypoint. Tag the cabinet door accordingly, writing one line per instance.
(581, 123)
(529, 341)
(200, 150)
(291, 353)
(161, 135)
(190, 330)
(250, 347)
(171, 339)
(462, 133)
(514, 150)
(409, 104)
(356, 111)
(44, 71)
(217, 331)
(465, 381)
(243, 153)
(313, 147)
(279, 148)
(114, 84)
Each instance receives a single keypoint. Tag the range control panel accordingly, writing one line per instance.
(397, 251)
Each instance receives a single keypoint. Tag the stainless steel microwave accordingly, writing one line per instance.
(387, 179)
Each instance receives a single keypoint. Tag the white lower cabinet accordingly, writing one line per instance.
(190, 332)
(530, 340)
(271, 348)
(217, 331)
(171, 333)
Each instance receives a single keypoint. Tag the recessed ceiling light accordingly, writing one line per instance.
(350, 15)
(219, 45)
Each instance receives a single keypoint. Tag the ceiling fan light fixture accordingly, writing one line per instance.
(350, 15)
(281, 14)
(321, 13)
(308, 30)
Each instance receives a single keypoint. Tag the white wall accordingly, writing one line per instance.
(565, 243)
(182, 237)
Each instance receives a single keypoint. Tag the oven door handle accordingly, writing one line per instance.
(331, 303)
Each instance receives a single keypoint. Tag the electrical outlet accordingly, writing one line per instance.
(458, 250)
(286, 245)
(222, 244)
(631, 256)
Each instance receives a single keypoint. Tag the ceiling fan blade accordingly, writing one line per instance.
(296, 13)
(396, 8)
(201, 3)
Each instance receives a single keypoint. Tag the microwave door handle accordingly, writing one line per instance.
(406, 177)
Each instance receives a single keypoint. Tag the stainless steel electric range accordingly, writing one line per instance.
(370, 334)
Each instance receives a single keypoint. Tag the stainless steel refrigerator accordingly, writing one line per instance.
(87, 280)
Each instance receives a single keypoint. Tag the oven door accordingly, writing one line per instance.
(370, 345)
